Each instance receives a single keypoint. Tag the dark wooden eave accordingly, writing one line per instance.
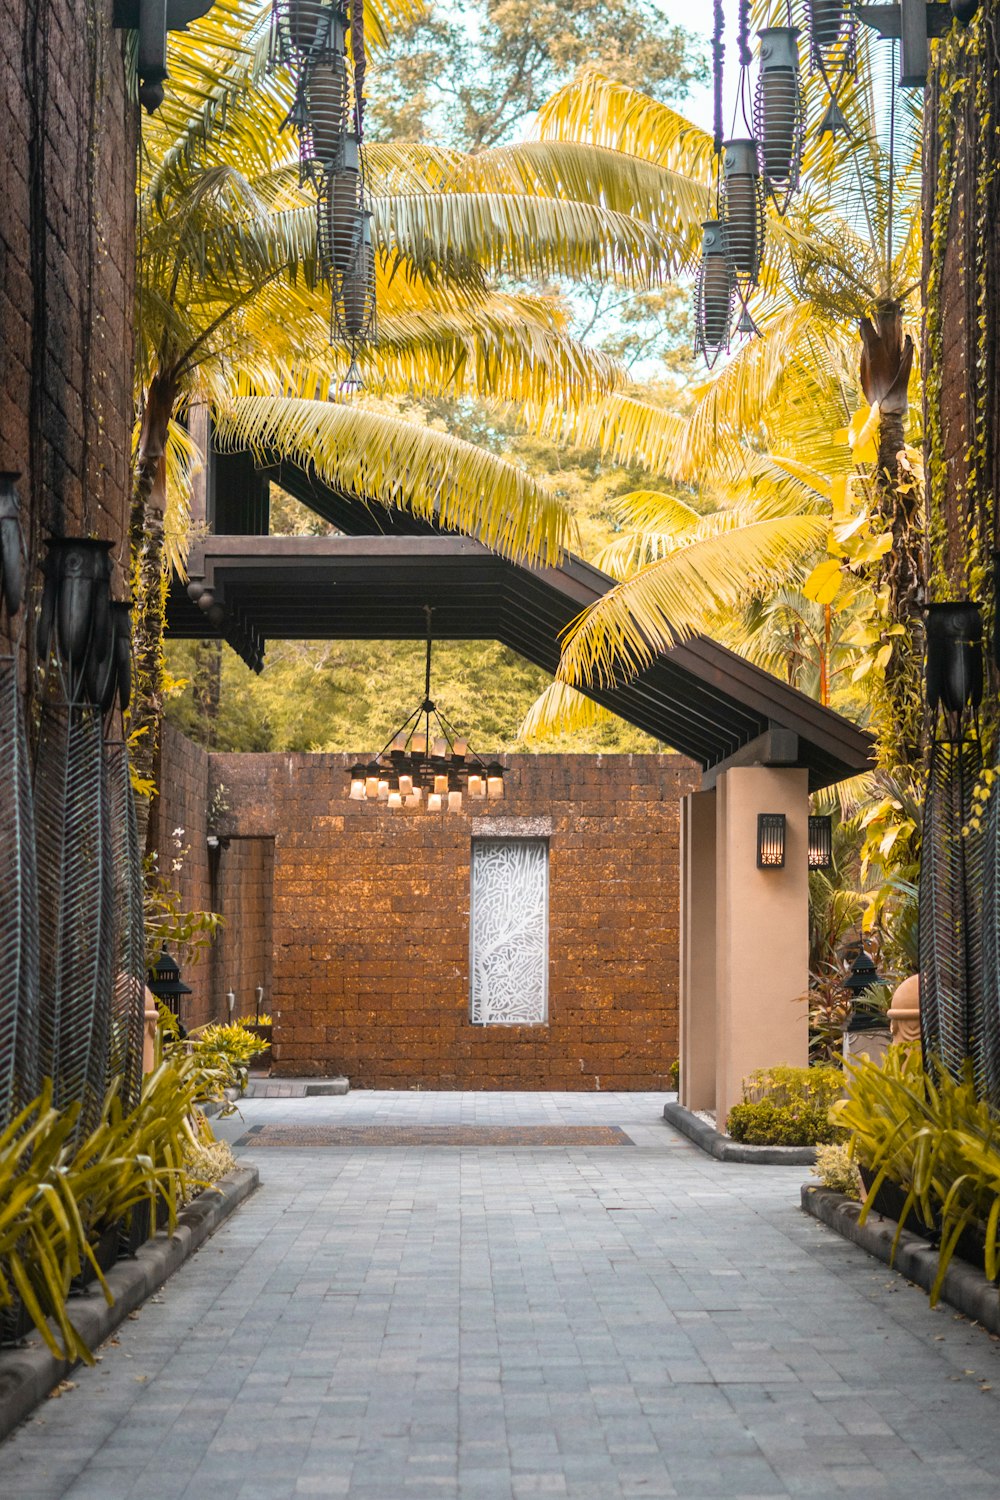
(373, 584)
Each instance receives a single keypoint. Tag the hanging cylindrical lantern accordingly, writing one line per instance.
(355, 307)
(741, 211)
(340, 214)
(326, 100)
(954, 666)
(714, 294)
(779, 113)
(831, 28)
(309, 29)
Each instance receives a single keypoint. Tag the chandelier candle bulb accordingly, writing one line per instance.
(454, 801)
(440, 749)
(394, 800)
(477, 786)
(460, 749)
(433, 802)
(383, 791)
(405, 783)
(441, 783)
(494, 781)
(418, 744)
(358, 783)
(372, 774)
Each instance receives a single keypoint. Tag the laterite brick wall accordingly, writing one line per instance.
(67, 249)
(370, 940)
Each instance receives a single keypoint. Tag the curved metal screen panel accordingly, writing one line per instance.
(509, 922)
(18, 908)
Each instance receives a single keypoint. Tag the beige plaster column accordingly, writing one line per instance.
(762, 929)
(698, 944)
(150, 1022)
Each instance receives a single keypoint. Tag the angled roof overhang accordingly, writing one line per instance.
(373, 582)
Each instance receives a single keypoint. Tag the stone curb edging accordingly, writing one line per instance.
(27, 1375)
(964, 1287)
(723, 1149)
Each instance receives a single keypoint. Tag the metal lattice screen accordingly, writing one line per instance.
(75, 907)
(509, 932)
(18, 907)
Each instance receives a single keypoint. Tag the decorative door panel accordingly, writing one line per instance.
(509, 932)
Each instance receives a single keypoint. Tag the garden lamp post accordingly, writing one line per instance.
(164, 979)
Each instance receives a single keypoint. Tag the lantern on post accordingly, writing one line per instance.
(164, 980)
(779, 113)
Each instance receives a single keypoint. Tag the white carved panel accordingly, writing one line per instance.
(509, 931)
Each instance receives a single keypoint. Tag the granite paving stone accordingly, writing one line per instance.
(413, 1306)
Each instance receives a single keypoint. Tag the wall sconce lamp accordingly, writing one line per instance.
(770, 841)
(152, 19)
(820, 843)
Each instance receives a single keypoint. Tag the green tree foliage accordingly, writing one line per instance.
(351, 695)
(469, 77)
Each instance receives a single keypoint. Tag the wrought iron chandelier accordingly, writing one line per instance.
(426, 763)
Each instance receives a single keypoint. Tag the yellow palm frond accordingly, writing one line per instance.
(561, 709)
(650, 611)
(459, 235)
(483, 352)
(184, 460)
(596, 108)
(625, 428)
(400, 464)
(672, 204)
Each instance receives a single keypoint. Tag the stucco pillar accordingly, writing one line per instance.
(762, 929)
(698, 948)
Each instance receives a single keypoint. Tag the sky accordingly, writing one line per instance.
(696, 16)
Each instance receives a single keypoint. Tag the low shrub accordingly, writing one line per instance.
(221, 1056)
(206, 1160)
(933, 1138)
(836, 1169)
(58, 1196)
(786, 1106)
(768, 1124)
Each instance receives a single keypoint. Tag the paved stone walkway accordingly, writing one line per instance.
(407, 1322)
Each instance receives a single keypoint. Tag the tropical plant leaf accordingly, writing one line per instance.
(403, 465)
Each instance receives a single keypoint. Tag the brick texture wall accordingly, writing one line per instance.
(370, 914)
(67, 209)
(181, 816)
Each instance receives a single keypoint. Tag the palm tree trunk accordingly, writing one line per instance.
(149, 586)
(886, 363)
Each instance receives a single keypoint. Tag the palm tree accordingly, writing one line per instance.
(765, 426)
(232, 313)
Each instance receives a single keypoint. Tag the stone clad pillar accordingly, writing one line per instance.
(698, 946)
(762, 929)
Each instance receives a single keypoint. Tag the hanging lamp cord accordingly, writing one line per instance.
(718, 56)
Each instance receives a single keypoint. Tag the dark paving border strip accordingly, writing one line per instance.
(964, 1287)
(28, 1374)
(723, 1149)
(321, 1137)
